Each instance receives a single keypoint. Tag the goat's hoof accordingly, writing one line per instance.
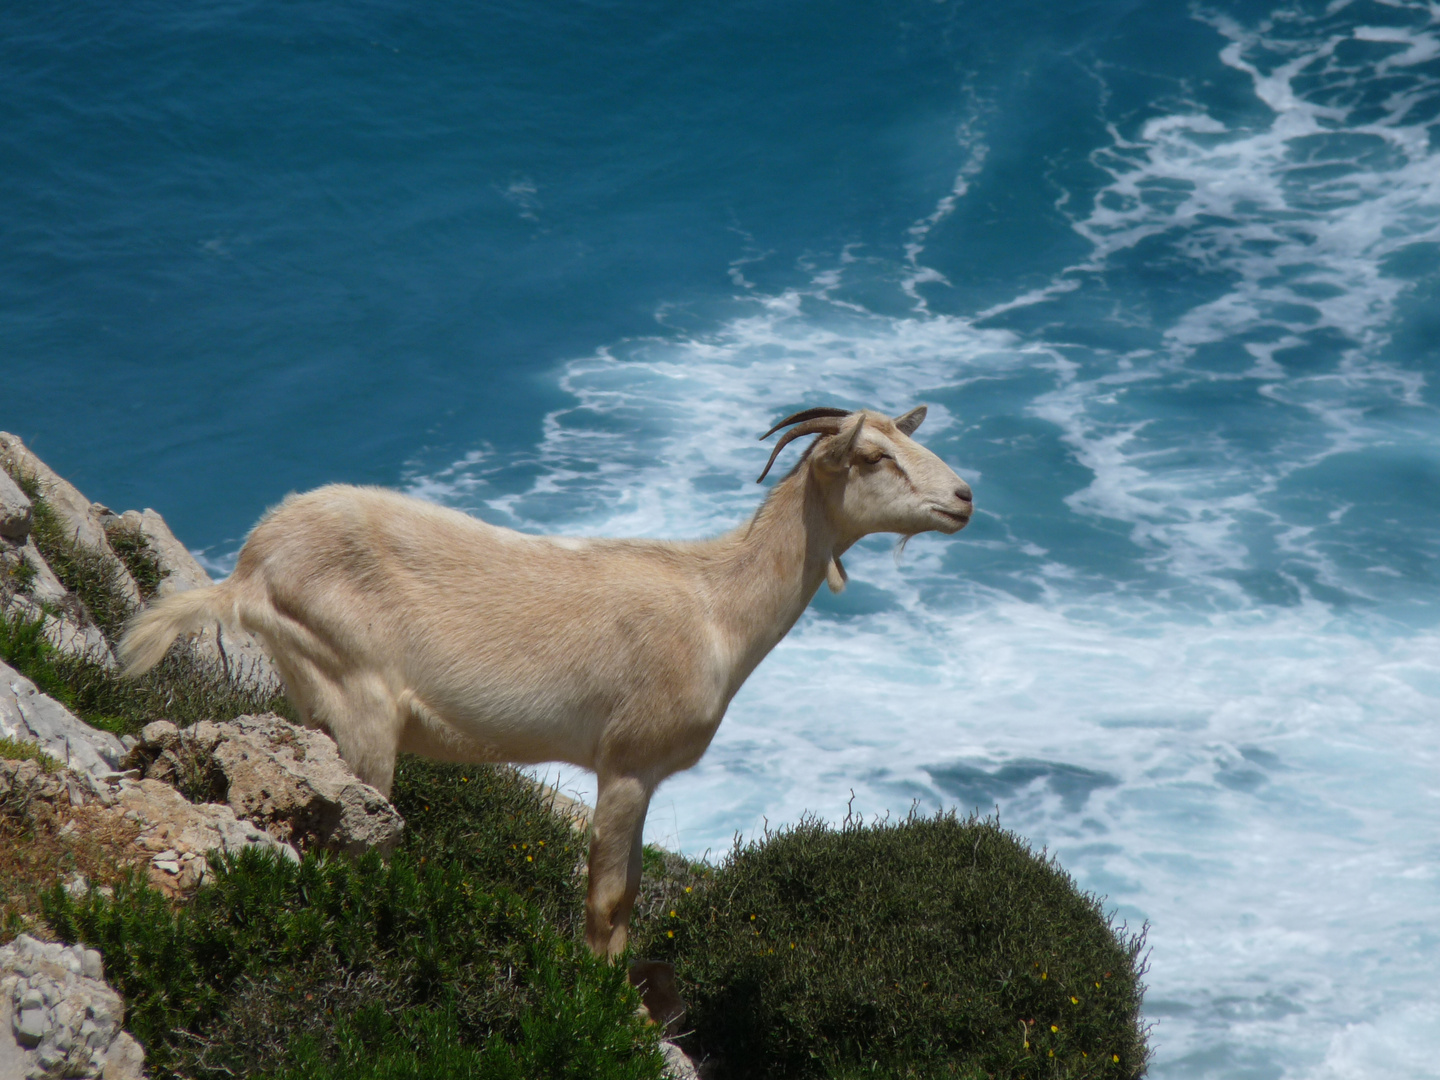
(660, 999)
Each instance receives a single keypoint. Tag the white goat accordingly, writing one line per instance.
(402, 626)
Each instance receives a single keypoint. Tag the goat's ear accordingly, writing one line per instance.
(911, 420)
(840, 447)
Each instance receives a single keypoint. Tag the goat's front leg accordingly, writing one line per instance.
(616, 843)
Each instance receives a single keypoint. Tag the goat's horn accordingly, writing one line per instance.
(803, 415)
(827, 425)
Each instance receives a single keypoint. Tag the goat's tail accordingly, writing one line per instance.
(150, 634)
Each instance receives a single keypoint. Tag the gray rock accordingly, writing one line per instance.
(27, 715)
(126, 1060)
(15, 515)
(159, 734)
(81, 518)
(31, 1025)
(678, 1065)
(290, 780)
(59, 1017)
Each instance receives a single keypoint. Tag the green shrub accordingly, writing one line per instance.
(351, 967)
(496, 824)
(933, 947)
(460, 958)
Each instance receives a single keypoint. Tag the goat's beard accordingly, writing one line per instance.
(900, 546)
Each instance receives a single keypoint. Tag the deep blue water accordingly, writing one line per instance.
(1167, 275)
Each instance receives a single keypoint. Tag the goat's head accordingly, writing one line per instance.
(875, 475)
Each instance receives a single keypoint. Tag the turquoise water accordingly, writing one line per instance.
(1166, 275)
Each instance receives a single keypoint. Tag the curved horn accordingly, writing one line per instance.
(828, 425)
(805, 414)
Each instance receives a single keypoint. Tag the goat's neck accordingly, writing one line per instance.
(771, 568)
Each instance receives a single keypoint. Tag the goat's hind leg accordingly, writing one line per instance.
(365, 720)
(616, 845)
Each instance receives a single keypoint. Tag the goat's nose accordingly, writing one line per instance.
(963, 492)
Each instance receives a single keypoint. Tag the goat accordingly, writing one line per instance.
(398, 625)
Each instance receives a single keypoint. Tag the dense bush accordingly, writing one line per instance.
(935, 947)
(435, 964)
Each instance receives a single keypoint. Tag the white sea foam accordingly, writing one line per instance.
(1256, 779)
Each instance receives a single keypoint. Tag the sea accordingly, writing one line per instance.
(1166, 274)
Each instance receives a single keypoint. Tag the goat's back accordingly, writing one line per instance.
(478, 621)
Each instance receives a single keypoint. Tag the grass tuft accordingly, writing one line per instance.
(17, 750)
(89, 575)
(139, 558)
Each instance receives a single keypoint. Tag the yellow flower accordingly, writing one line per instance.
(529, 858)
(1052, 1053)
(1074, 1001)
(752, 918)
(464, 779)
(1054, 1029)
(792, 944)
(1044, 974)
(669, 933)
(1114, 1057)
(672, 913)
(687, 888)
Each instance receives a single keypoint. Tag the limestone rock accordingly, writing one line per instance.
(58, 1018)
(27, 715)
(176, 833)
(241, 656)
(678, 1065)
(14, 509)
(290, 780)
(81, 518)
(158, 826)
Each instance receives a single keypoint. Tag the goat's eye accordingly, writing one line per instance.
(874, 457)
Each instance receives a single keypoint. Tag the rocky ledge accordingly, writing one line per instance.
(290, 781)
(30, 588)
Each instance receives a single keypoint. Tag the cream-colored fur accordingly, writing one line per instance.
(398, 625)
